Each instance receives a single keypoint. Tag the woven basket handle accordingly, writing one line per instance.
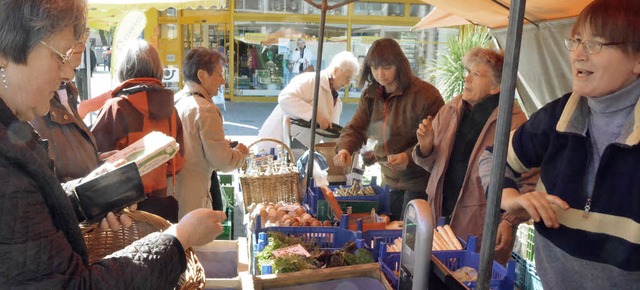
(275, 141)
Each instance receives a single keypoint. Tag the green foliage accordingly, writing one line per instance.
(291, 263)
(448, 71)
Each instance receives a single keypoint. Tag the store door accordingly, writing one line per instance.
(212, 36)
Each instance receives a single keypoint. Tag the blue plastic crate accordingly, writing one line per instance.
(314, 194)
(388, 265)
(327, 238)
(521, 270)
(373, 239)
(532, 281)
(501, 278)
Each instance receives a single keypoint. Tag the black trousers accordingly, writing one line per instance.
(214, 190)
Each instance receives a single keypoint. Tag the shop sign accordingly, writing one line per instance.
(255, 37)
(368, 39)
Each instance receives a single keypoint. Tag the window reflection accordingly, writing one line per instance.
(263, 57)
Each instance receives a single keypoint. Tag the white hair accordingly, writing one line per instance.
(345, 61)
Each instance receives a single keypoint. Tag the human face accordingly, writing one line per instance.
(32, 85)
(478, 83)
(341, 78)
(212, 82)
(385, 75)
(603, 73)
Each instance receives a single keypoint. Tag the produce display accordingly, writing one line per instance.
(355, 190)
(317, 258)
(443, 240)
(284, 215)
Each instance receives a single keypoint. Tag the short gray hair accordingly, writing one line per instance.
(345, 61)
(139, 60)
(24, 23)
(200, 58)
(490, 57)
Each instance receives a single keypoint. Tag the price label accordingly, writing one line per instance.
(296, 249)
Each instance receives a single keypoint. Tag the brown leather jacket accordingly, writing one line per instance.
(71, 144)
(393, 123)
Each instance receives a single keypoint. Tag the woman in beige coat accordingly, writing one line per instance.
(206, 147)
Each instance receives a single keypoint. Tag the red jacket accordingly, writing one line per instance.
(138, 107)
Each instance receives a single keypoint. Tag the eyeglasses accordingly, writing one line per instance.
(590, 46)
(62, 58)
(474, 74)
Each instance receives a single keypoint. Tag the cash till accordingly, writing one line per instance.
(417, 238)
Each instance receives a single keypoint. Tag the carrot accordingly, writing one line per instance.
(445, 237)
(453, 237)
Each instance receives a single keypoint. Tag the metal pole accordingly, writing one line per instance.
(323, 16)
(316, 89)
(505, 110)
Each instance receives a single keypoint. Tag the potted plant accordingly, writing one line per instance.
(446, 72)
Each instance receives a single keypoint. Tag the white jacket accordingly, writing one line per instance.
(296, 101)
(296, 60)
(206, 148)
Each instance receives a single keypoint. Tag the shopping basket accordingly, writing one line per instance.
(103, 243)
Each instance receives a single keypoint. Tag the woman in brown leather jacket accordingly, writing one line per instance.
(390, 109)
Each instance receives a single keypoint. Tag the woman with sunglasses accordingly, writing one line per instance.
(586, 206)
(41, 246)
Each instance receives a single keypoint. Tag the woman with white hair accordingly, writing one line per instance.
(296, 100)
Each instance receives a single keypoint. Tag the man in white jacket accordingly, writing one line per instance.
(296, 100)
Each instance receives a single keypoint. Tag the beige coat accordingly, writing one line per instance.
(206, 149)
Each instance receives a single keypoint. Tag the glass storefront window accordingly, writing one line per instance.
(378, 8)
(249, 6)
(263, 64)
(286, 6)
(420, 10)
(418, 46)
(169, 31)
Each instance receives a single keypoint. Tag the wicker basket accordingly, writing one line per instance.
(282, 187)
(103, 243)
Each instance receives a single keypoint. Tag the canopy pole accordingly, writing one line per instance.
(505, 110)
(316, 88)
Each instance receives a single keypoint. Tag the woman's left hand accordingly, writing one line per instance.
(113, 223)
(398, 161)
(504, 242)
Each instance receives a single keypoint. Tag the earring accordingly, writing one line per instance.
(4, 77)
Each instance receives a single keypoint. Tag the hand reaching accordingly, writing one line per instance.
(538, 206)
(504, 242)
(425, 136)
(242, 148)
(113, 223)
(198, 227)
(323, 122)
(398, 161)
(342, 159)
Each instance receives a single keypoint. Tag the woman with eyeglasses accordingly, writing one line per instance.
(586, 206)
(41, 246)
(451, 143)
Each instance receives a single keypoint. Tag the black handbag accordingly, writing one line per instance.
(333, 132)
(109, 192)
